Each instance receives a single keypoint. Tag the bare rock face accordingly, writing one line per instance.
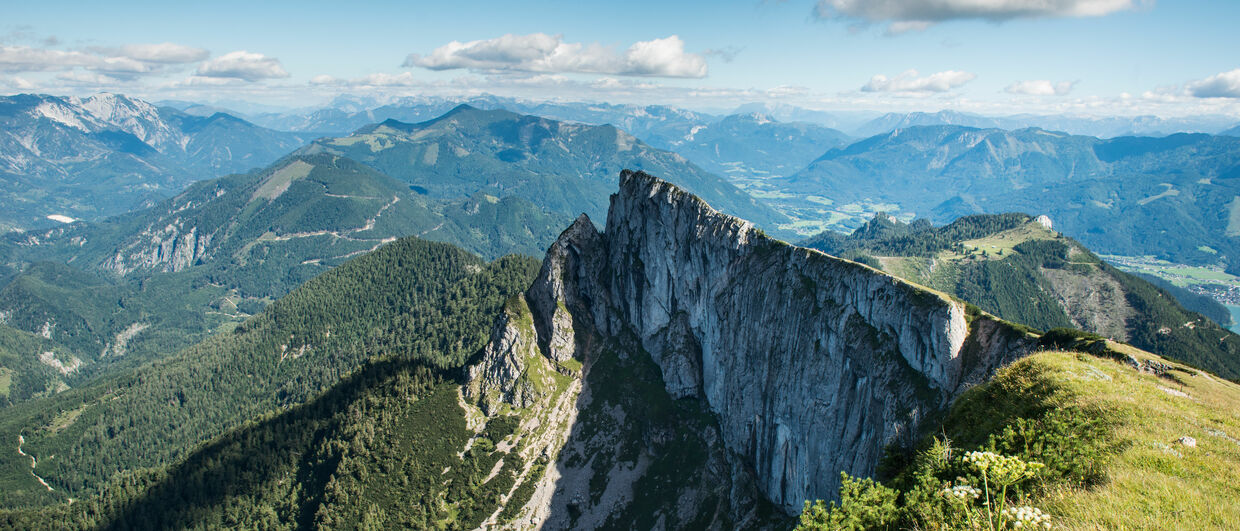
(171, 248)
(557, 299)
(810, 364)
(498, 377)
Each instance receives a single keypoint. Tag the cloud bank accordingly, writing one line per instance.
(914, 15)
(129, 60)
(543, 53)
(910, 81)
(1223, 85)
(166, 53)
(242, 65)
(1040, 87)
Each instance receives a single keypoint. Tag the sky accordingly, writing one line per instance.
(995, 57)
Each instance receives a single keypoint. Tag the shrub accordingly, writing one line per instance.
(864, 504)
(1027, 436)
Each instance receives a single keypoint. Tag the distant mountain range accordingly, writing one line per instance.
(661, 124)
(564, 167)
(1099, 126)
(89, 158)
(752, 146)
(107, 154)
(1174, 197)
(161, 277)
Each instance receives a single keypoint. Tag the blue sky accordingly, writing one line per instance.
(988, 56)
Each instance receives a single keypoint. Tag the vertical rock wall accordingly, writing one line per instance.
(811, 364)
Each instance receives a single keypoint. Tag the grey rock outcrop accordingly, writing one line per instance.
(497, 378)
(811, 364)
(171, 248)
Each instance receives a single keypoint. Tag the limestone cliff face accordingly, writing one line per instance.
(170, 248)
(810, 364)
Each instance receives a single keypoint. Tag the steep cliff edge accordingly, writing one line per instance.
(808, 364)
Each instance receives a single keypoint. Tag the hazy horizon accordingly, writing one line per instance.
(994, 58)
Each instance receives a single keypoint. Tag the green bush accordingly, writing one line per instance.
(1026, 437)
(864, 504)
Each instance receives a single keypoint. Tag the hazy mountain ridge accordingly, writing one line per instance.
(755, 146)
(564, 167)
(1096, 126)
(108, 154)
(660, 123)
(1169, 197)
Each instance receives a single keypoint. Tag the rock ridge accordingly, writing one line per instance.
(811, 364)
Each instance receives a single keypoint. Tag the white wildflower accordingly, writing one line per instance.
(1026, 517)
(962, 492)
(1002, 469)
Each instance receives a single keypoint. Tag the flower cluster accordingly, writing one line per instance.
(1026, 517)
(962, 492)
(1002, 469)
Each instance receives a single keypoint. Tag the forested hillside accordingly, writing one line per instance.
(137, 287)
(410, 304)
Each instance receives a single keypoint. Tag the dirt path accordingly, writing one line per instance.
(20, 441)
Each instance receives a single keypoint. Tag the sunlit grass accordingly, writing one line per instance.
(1155, 482)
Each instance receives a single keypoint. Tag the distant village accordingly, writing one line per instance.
(1228, 294)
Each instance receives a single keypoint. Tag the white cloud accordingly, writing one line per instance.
(908, 81)
(914, 15)
(905, 26)
(404, 79)
(606, 84)
(1223, 85)
(17, 83)
(27, 59)
(786, 91)
(166, 53)
(1040, 87)
(125, 60)
(87, 79)
(122, 65)
(539, 52)
(242, 65)
(324, 79)
(205, 81)
(663, 58)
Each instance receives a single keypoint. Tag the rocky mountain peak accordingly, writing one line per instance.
(811, 364)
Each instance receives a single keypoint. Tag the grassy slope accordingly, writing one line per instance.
(1110, 435)
(1154, 483)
